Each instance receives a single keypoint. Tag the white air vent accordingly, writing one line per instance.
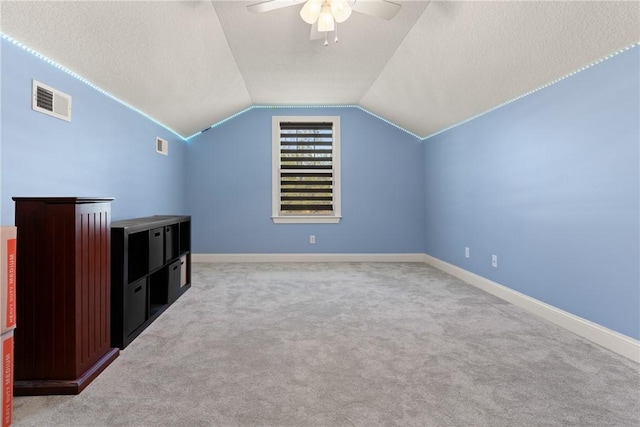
(162, 146)
(50, 101)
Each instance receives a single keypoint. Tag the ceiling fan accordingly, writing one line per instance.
(324, 15)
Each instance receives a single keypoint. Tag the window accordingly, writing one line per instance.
(306, 169)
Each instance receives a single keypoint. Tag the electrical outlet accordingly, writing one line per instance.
(494, 261)
(312, 239)
(466, 252)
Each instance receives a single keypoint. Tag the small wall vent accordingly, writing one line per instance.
(50, 101)
(162, 146)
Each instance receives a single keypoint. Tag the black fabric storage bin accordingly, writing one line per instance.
(156, 248)
(174, 281)
(170, 242)
(135, 305)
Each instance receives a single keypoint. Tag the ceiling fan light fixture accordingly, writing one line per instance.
(311, 11)
(325, 20)
(340, 10)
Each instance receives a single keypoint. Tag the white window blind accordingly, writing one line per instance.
(307, 169)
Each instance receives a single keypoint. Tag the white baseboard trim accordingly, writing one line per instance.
(218, 258)
(607, 338)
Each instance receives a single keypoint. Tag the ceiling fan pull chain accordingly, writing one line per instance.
(326, 43)
(336, 39)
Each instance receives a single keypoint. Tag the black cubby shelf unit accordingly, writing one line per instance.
(150, 270)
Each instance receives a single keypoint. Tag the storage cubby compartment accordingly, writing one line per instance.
(174, 281)
(158, 290)
(150, 269)
(156, 248)
(183, 270)
(135, 305)
(185, 237)
(138, 255)
(171, 242)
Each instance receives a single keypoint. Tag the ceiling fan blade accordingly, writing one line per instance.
(269, 5)
(315, 34)
(379, 8)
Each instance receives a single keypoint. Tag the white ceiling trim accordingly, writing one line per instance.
(270, 107)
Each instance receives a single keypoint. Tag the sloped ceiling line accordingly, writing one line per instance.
(87, 82)
(252, 107)
(226, 38)
(424, 138)
(187, 64)
(533, 91)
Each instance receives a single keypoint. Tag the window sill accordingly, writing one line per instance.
(306, 219)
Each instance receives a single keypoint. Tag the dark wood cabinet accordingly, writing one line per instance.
(63, 307)
(150, 269)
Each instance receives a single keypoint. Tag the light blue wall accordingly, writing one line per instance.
(551, 184)
(106, 150)
(229, 182)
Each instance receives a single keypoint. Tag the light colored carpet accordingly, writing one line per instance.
(353, 344)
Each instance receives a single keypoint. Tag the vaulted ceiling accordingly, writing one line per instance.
(190, 64)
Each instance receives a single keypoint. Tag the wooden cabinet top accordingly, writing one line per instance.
(149, 222)
(74, 200)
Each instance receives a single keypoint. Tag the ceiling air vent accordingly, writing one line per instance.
(50, 101)
(162, 146)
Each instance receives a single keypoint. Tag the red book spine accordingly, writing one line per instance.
(11, 283)
(7, 379)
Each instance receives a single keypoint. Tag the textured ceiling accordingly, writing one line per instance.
(191, 64)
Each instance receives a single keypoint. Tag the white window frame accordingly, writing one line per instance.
(276, 216)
